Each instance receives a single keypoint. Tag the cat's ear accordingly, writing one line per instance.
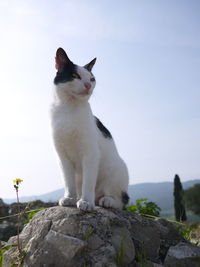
(90, 65)
(61, 59)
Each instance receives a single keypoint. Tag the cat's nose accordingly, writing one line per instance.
(87, 85)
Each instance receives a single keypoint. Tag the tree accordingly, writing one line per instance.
(179, 207)
(192, 198)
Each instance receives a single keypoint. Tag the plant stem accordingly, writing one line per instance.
(18, 223)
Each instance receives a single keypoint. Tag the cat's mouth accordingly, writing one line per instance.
(85, 92)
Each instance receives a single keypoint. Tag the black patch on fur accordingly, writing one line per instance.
(66, 74)
(103, 129)
(125, 198)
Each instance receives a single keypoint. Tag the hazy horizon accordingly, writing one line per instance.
(147, 92)
(62, 188)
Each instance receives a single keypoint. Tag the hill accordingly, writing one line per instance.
(160, 193)
(48, 197)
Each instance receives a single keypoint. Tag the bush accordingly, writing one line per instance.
(144, 207)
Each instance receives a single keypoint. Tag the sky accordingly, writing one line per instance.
(147, 92)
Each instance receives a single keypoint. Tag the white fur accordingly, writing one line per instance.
(92, 169)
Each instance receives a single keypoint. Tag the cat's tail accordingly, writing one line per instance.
(125, 198)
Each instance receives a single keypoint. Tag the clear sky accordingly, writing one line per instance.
(147, 92)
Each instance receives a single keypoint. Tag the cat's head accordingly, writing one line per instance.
(73, 81)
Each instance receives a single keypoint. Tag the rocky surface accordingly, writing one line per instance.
(68, 237)
(183, 255)
(8, 225)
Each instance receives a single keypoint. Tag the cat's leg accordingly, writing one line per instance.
(69, 198)
(114, 185)
(78, 185)
(89, 177)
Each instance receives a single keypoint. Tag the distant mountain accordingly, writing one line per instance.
(160, 193)
(48, 197)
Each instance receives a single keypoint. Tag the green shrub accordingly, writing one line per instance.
(186, 230)
(145, 207)
(31, 214)
(2, 251)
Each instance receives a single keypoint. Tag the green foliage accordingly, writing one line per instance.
(179, 207)
(143, 261)
(31, 214)
(186, 230)
(143, 206)
(141, 257)
(18, 261)
(2, 251)
(192, 198)
(120, 253)
(88, 234)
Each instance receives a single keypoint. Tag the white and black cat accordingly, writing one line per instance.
(93, 171)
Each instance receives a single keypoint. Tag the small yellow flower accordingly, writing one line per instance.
(17, 181)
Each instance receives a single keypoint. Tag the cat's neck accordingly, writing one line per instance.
(69, 100)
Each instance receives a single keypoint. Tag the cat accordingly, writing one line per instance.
(94, 173)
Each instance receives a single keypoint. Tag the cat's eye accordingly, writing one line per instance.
(92, 79)
(76, 75)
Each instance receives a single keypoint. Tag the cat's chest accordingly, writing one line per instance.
(71, 130)
(67, 124)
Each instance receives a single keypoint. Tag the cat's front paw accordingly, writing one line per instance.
(67, 201)
(85, 205)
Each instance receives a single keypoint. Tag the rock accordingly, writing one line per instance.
(2, 244)
(94, 242)
(169, 236)
(153, 264)
(183, 255)
(147, 239)
(64, 249)
(68, 237)
(123, 244)
(9, 224)
(60, 242)
(3, 208)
